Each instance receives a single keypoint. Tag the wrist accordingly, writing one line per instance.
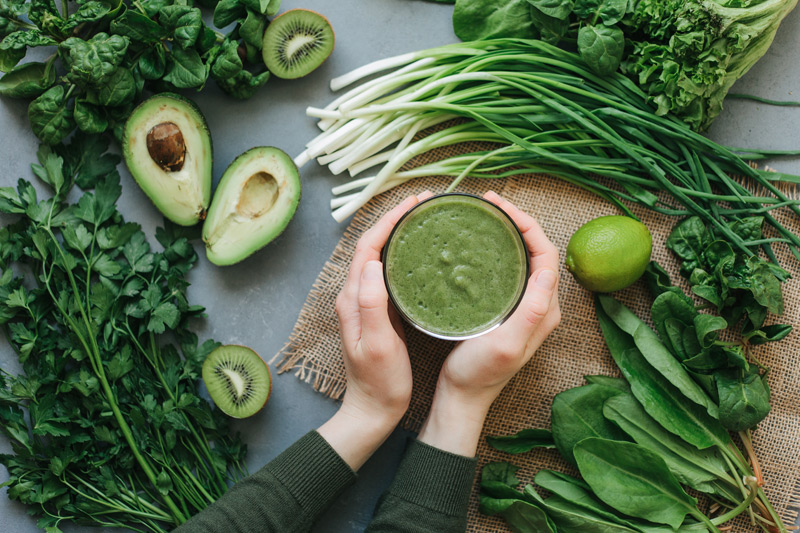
(455, 422)
(356, 435)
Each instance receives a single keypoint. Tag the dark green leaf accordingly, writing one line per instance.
(633, 480)
(28, 80)
(89, 118)
(609, 11)
(578, 414)
(765, 286)
(244, 85)
(688, 240)
(554, 8)
(656, 354)
(138, 28)
(692, 467)
(92, 63)
(484, 20)
(601, 48)
(50, 118)
(118, 89)
(743, 399)
(252, 29)
(522, 441)
(551, 29)
(185, 69)
(501, 473)
(607, 381)
(184, 22)
(228, 12)
(153, 63)
(665, 403)
(771, 333)
(227, 63)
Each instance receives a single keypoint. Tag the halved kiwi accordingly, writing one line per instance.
(296, 43)
(237, 379)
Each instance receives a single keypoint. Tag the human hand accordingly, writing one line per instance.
(477, 369)
(374, 350)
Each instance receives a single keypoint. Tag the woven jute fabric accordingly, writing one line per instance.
(574, 350)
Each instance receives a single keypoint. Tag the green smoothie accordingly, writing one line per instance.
(455, 266)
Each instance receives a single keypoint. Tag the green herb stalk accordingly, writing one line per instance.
(116, 434)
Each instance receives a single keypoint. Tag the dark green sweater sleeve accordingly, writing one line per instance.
(429, 494)
(287, 495)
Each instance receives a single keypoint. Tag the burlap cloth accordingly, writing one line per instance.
(575, 349)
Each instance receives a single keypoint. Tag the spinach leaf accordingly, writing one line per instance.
(608, 381)
(609, 11)
(764, 285)
(28, 80)
(692, 467)
(578, 413)
(244, 84)
(89, 118)
(526, 517)
(657, 280)
(743, 398)
(557, 9)
(228, 12)
(119, 89)
(138, 28)
(252, 29)
(766, 334)
(655, 352)
(672, 312)
(633, 480)
(522, 441)
(473, 20)
(659, 398)
(688, 240)
(185, 69)
(92, 63)
(153, 64)
(227, 63)
(601, 47)
(707, 327)
(551, 29)
(502, 472)
(185, 23)
(15, 44)
(50, 118)
(569, 516)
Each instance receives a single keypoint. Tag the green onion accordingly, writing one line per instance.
(545, 112)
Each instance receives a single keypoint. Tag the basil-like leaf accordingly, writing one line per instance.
(185, 69)
(50, 117)
(89, 118)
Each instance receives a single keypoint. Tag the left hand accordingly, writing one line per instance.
(374, 350)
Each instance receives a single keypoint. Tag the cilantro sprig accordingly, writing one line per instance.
(115, 432)
(110, 51)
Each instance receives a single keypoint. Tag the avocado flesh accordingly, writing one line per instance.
(256, 198)
(182, 195)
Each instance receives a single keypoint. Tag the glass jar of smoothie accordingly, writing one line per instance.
(455, 266)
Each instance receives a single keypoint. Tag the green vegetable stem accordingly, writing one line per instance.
(116, 434)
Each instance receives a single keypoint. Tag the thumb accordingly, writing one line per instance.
(373, 303)
(534, 306)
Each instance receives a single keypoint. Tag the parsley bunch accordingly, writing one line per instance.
(110, 51)
(115, 432)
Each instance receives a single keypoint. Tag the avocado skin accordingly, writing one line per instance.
(228, 180)
(199, 122)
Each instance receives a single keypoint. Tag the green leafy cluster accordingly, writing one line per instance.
(112, 50)
(638, 443)
(742, 289)
(685, 55)
(105, 421)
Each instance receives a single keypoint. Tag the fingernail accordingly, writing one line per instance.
(546, 279)
(372, 271)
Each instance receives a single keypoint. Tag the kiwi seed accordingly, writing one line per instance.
(237, 380)
(296, 43)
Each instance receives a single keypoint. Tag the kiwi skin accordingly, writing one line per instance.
(272, 46)
(209, 375)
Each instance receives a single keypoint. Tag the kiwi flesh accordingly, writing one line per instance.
(296, 43)
(237, 379)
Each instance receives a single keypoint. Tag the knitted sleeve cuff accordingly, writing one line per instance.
(435, 479)
(313, 472)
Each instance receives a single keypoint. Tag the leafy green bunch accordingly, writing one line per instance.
(742, 290)
(638, 444)
(684, 55)
(592, 24)
(105, 421)
(110, 51)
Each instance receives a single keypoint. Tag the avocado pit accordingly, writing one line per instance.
(166, 146)
(259, 194)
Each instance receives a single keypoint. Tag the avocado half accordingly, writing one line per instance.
(167, 147)
(256, 198)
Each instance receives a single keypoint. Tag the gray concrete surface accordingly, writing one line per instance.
(256, 302)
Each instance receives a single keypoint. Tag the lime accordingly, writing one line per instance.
(609, 253)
